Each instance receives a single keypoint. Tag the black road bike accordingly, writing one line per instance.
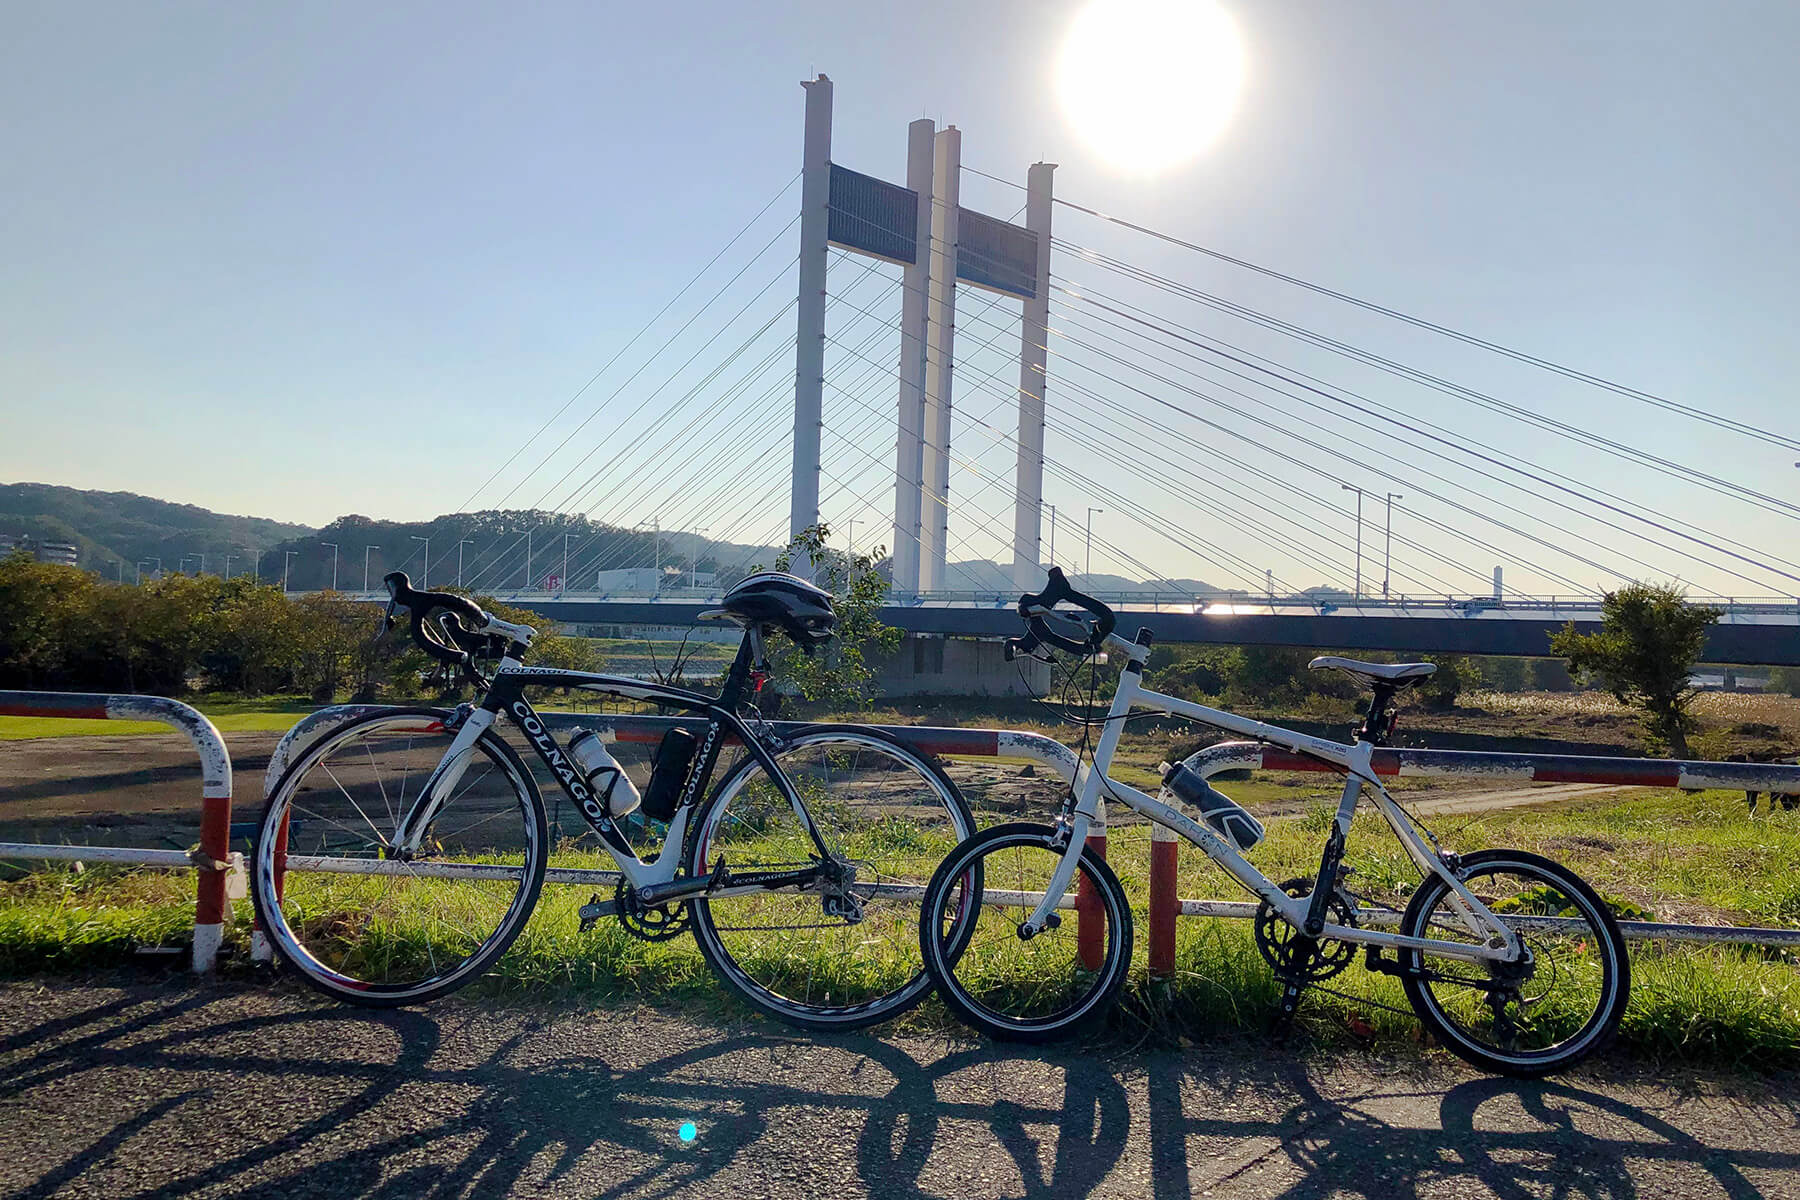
(403, 851)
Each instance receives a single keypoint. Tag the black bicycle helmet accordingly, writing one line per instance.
(786, 602)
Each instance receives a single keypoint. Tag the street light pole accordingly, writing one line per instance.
(366, 550)
(287, 560)
(425, 566)
(694, 559)
(228, 559)
(255, 562)
(1350, 487)
(1090, 540)
(334, 560)
(1387, 553)
(563, 580)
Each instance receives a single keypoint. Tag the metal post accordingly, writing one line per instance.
(934, 527)
(366, 550)
(909, 453)
(1350, 487)
(1089, 569)
(563, 583)
(425, 566)
(1034, 337)
(809, 343)
(850, 543)
(334, 562)
(228, 559)
(287, 561)
(256, 565)
(694, 559)
(1387, 553)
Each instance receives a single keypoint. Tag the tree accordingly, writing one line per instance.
(1644, 654)
(843, 671)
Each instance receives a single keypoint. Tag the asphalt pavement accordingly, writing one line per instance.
(162, 1088)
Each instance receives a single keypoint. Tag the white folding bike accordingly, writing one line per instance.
(1509, 958)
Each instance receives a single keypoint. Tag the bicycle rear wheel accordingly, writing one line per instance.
(1017, 989)
(885, 809)
(358, 924)
(1528, 1019)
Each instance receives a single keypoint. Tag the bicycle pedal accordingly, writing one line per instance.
(591, 912)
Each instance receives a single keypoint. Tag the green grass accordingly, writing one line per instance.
(230, 715)
(1678, 855)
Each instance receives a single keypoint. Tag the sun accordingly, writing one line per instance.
(1148, 84)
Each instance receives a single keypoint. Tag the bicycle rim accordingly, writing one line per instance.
(1026, 989)
(883, 809)
(1533, 1019)
(367, 928)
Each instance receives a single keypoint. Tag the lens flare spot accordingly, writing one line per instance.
(688, 1131)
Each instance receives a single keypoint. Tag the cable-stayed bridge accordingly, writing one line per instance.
(1273, 459)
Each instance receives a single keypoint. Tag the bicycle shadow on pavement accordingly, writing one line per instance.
(1513, 1137)
(342, 1102)
(144, 1093)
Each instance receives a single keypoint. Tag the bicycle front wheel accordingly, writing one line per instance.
(1544, 1014)
(364, 927)
(1016, 988)
(883, 809)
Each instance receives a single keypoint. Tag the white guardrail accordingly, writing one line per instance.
(220, 872)
(214, 861)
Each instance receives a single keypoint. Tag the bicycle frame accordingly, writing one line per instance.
(1093, 784)
(657, 881)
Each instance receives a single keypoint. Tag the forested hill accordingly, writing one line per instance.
(121, 527)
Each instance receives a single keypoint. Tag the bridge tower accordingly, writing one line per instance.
(938, 244)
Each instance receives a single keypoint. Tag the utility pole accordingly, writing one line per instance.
(459, 559)
(334, 560)
(694, 559)
(1387, 553)
(425, 565)
(1090, 540)
(1350, 487)
(366, 550)
(287, 560)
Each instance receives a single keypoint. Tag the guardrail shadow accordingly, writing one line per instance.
(420, 1104)
(1515, 1138)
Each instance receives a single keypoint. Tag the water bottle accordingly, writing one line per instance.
(1227, 817)
(605, 777)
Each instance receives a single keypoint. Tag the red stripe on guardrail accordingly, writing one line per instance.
(81, 711)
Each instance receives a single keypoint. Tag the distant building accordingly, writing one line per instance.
(63, 553)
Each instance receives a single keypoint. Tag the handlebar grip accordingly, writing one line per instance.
(462, 618)
(1034, 607)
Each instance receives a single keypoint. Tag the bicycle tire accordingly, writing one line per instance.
(969, 993)
(759, 983)
(1608, 958)
(299, 941)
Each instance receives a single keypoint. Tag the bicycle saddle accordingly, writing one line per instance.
(1393, 675)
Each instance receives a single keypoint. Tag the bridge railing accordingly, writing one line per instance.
(212, 859)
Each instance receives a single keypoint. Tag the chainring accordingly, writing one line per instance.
(1277, 940)
(650, 923)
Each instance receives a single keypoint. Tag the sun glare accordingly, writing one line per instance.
(1148, 84)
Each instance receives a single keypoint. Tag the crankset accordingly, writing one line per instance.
(650, 922)
(1294, 957)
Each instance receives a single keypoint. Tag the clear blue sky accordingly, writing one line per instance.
(312, 259)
